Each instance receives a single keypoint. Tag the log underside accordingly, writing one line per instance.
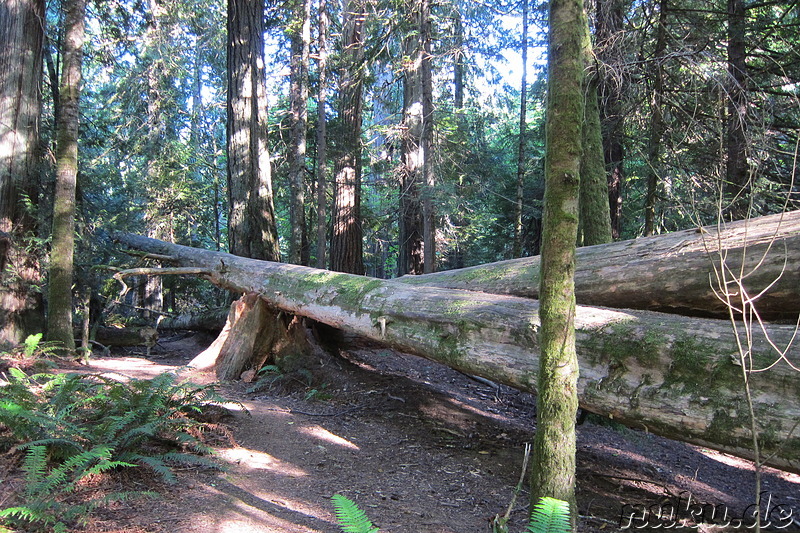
(671, 375)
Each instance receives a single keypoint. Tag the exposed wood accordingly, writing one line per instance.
(668, 374)
(671, 272)
(242, 337)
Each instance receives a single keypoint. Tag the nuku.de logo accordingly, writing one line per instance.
(684, 512)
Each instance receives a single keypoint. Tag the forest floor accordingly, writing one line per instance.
(421, 448)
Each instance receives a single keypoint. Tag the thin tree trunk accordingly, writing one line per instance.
(553, 472)
(59, 315)
(252, 231)
(521, 156)
(347, 239)
(21, 40)
(656, 121)
(426, 140)
(322, 140)
(300, 36)
(458, 63)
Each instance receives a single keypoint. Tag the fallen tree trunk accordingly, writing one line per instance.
(673, 273)
(668, 374)
(130, 336)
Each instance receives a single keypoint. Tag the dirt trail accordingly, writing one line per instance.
(419, 447)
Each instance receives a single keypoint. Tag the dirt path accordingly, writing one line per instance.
(420, 448)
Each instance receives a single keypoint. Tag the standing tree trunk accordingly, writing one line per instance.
(608, 28)
(21, 40)
(252, 231)
(595, 219)
(322, 139)
(523, 111)
(426, 141)
(411, 259)
(656, 121)
(300, 37)
(59, 312)
(553, 472)
(737, 170)
(347, 240)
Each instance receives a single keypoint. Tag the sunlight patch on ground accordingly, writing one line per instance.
(477, 411)
(321, 433)
(128, 367)
(255, 460)
(738, 462)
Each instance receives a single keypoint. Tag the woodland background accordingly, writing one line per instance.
(695, 99)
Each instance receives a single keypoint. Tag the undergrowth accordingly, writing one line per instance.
(72, 426)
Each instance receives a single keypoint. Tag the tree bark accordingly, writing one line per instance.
(673, 272)
(127, 336)
(595, 219)
(347, 253)
(608, 31)
(424, 22)
(523, 124)
(553, 466)
(59, 287)
(21, 39)
(657, 123)
(738, 186)
(300, 37)
(411, 259)
(252, 230)
(670, 375)
(322, 139)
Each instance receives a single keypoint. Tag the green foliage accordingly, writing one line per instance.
(350, 517)
(73, 426)
(550, 515)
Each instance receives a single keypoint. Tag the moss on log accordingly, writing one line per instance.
(668, 374)
(673, 272)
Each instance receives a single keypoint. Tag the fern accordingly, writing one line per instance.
(550, 515)
(72, 426)
(350, 517)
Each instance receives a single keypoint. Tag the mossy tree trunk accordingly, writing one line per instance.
(553, 472)
(595, 218)
(59, 312)
(644, 369)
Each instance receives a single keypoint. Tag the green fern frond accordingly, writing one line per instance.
(157, 465)
(27, 514)
(350, 517)
(31, 344)
(550, 515)
(35, 465)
